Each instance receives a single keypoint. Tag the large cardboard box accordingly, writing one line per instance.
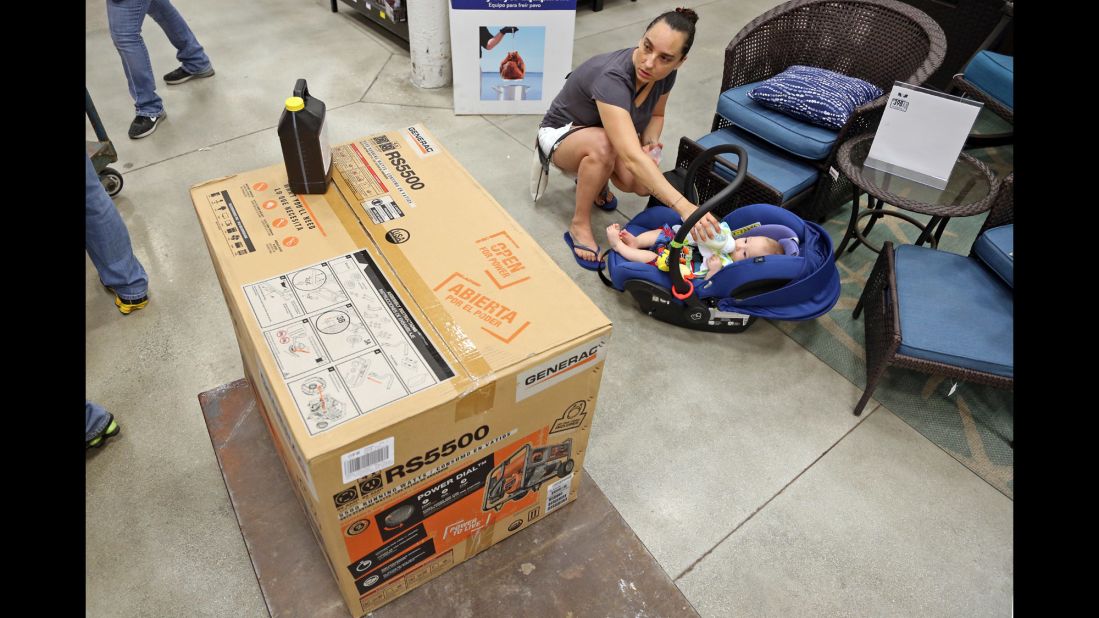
(428, 374)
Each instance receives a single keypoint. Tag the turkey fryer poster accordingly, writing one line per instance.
(510, 56)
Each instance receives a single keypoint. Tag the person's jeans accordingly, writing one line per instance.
(125, 18)
(95, 420)
(108, 242)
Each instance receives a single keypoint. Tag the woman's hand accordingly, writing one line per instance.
(706, 228)
(654, 150)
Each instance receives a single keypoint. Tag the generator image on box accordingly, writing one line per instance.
(526, 470)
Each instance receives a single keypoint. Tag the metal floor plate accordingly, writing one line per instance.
(583, 560)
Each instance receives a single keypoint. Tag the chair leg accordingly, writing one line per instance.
(850, 233)
(869, 288)
(539, 172)
(939, 232)
(862, 402)
(873, 204)
(928, 232)
(872, 376)
(882, 339)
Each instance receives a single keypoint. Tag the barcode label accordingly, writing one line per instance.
(382, 141)
(382, 209)
(367, 460)
(558, 493)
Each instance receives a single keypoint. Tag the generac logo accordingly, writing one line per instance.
(563, 366)
(559, 368)
(420, 142)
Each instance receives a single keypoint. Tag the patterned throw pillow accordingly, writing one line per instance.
(815, 95)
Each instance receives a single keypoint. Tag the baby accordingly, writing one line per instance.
(648, 247)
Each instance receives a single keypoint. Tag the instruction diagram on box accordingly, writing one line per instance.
(344, 341)
(228, 221)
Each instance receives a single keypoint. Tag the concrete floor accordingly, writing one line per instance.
(781, 502)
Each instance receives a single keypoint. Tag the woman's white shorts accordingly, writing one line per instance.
(548, 141)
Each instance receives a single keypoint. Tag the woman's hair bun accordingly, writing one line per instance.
(687, 13)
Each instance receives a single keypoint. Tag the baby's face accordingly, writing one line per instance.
(752, 246)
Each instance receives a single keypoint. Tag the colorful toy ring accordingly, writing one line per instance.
(690, 290)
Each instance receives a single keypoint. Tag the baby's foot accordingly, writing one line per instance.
(614, 235)
(628, 239)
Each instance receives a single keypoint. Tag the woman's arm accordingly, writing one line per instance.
(651, 134)
(494, 41)
(620, 131)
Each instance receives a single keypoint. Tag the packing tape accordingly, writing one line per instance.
(476, 401)
(479, 541)
(477, 390)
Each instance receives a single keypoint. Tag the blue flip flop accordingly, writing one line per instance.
(611, 205)
(588, 264)
(607, 206)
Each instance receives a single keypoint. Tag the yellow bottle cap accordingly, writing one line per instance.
(295, 104)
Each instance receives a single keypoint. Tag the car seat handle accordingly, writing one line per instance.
(679, 286)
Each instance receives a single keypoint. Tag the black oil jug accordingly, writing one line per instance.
(304, 138)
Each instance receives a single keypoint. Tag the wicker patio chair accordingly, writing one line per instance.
(707, 183)
(880, 41)
(969, 26)
(988, 76)
(943, 313)
(990, 79)
(973, 91)
(1003, 209)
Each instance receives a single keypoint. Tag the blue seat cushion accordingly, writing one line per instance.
(815, 95)
(954, 311)
(785, 175)
(996, 248)
(788, 133)
(994, 74)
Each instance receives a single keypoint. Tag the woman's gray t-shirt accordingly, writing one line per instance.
(608, 78)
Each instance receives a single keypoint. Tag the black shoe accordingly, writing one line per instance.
(144, 125)
(181, 75)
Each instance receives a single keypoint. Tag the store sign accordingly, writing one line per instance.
(921, 133)
(510, 56)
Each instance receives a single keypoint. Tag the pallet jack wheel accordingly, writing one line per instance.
(567, 467)
(112, 181)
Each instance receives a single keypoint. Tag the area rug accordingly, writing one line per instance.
(971, 422)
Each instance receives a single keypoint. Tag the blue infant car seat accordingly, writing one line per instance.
(781, 287)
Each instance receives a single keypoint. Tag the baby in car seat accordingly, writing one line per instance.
(651, 247)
